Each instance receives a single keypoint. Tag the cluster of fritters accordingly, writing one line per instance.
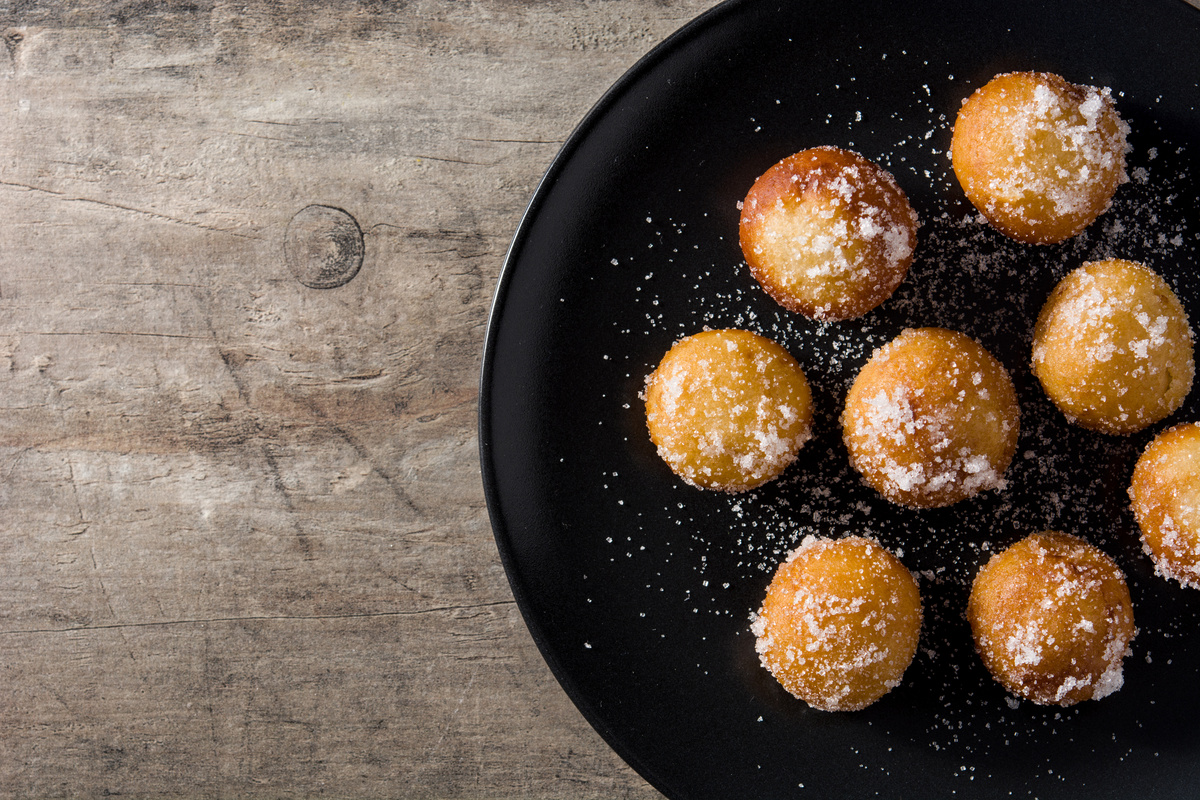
(932, 418)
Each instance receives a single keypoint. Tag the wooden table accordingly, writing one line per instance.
(243, 544)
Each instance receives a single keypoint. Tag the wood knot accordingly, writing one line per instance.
(323, 246)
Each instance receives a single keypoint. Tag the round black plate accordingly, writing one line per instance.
(637, 588)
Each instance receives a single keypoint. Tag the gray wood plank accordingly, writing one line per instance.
(244, 549)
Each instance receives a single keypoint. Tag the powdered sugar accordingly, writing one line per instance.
(965, 277)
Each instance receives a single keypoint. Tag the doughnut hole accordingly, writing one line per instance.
(827, 233)
(1165, 494)
(931, 419)
(1112, 347)
(1039, 157)
(728, 409)
(840, 623)
(1052, 620)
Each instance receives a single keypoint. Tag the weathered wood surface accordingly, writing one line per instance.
(243, 544)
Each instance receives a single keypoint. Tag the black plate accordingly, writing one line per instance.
(638, 588)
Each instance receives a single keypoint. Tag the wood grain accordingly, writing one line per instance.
(243, 543)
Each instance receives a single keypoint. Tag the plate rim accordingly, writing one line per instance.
(500, 531)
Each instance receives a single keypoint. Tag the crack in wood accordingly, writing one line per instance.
(67, 198)
(514, 141)
(151, 334)
(447, 609)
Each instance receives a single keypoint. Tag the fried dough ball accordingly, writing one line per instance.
(1039, 157)
(840, 623)
(1165, 491)
(931, 419)
(728, 409)
(1112, 347)
(1052, 619)
(827, 233)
